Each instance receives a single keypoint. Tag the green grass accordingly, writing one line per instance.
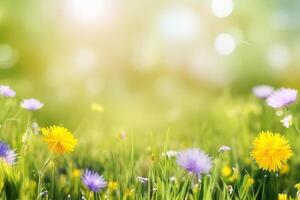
(207, 123)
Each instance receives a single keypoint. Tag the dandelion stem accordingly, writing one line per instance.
(263, 189)
(276, 184)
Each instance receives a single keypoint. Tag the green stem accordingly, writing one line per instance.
(27, 135)
(52, 184)
(90, 195)
(276, 183)
(263, 189)
(41, 173)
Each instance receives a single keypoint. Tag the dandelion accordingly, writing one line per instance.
(271, 151)
(287, 121)
(224, 149)
(282, 98)
(7, 154)
(282, 196)
(250, 181)
(31, 104)
(226, 171)
(76, 173)
(59, 139)
(262, 91)
(194, 161)
(93, 181)
(129, 192)
(6, 91)
(113, 185)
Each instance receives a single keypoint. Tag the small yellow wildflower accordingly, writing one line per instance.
(76, 173)
(297, 186)
(59, 139)
(250, 181)
(282, 196)
(97, 107)
(113, 185)
(129, 192)
(226, 171)
(271, 151)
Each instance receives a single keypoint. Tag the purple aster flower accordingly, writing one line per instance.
(7, 154)
(282, 97)
(93, 181)
(31, 104)
(6, 91)
(262, 91)
(195, 161)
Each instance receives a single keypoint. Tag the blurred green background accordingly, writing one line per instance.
(150, 63)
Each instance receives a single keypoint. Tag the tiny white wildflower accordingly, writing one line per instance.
(170, 154)
(142, 179)
(287, 121)
(224, 148)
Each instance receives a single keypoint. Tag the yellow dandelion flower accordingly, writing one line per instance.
(97, 107)
(129, 192)
(76, 173)
(297, 186)
(282, 196)
(271, 151)
(226, 171)
(59, 139)
(250, 181)
(113, 185)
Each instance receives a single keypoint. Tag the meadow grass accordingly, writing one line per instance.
(133, 160)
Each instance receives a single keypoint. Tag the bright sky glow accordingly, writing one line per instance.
(222, 8)
(89, 11)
